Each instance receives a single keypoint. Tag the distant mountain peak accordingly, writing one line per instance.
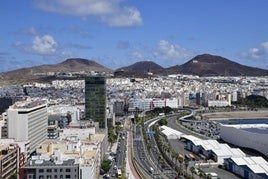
(141, 67)
(212, 65)
(69, 65)
(78, 60)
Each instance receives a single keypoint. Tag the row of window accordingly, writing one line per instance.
(49, 176)
(56, 170)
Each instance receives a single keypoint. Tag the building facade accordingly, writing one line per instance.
(95, 99)
(9, 160)
(28, 120)
(48, 169)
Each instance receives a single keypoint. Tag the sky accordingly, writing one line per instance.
(117, 33)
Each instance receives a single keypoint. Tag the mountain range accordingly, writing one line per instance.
(201, 65)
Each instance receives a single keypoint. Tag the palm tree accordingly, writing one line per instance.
(201, 173)
(186, 164)
(177, 158)
(209, 176)
(180, 160)
(180, 171)
(192, 169)
(168, 150)
(173, 155)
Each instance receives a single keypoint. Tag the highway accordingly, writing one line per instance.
(148, 159)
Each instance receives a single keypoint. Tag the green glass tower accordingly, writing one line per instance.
(95, 99)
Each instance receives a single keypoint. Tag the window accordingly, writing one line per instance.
(68, 170)
(49, 170)
(55, 170)
(41, 171)
(61, 170)
(68, 176)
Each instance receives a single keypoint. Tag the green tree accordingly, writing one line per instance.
(180, 160)
(201, 173)
(192, 169)
(162, 122)
(173, 155)
(13, 176)
(186, 164)
(105, 165)
(180, 171)
(209, 176)
(112, 135)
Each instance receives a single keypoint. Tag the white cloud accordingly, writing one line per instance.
(168, 51)
(137, 55)
(32, 31)
(107, 11)
(44, 45)
(256, 53)
(126, 17)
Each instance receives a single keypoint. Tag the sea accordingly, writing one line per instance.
(249, 121)
(244, 121)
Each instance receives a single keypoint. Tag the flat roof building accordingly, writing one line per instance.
(9, 160)
(28, 120)
(95, 99)
(248, 167)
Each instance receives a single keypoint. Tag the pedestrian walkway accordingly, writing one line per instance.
(130, 170)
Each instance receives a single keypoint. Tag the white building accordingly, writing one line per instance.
(234, 96)
(218, 103)
(28, 120)
(171, 133)
(212, 149)
(172, 103)
(159, 103)
(248, 167)
(82, 146)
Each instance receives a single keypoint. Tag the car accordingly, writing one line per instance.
(106, 175)
(151, 170)
(115, 167)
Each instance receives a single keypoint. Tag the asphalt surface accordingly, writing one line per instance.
(179, 146)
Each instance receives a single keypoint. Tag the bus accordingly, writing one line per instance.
(119, 173)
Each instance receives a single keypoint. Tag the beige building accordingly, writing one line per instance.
(9, 160)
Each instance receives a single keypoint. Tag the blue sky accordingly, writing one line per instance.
(118, 33)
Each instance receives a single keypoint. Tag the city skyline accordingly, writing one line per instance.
(119, 33)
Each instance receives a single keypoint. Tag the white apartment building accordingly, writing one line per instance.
(234, 96)
(148, 103)
(159, 103)
(173, 103)
(77, 148)
(218, 103)
(28, 120)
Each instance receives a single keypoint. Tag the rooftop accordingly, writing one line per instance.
(28, 104)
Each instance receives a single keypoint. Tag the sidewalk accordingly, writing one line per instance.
(130, 170)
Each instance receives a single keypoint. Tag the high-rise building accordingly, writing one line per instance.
(28, 120)
(95, 99)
